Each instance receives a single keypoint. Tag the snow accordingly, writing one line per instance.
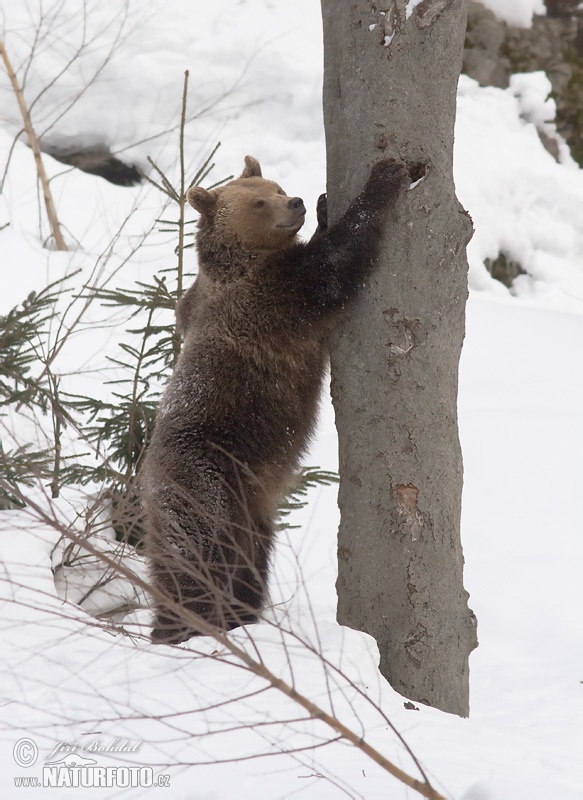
(66, 679)
(516, 12)
(410, 7)
(522, 201)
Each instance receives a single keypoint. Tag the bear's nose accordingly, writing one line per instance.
(295, 203)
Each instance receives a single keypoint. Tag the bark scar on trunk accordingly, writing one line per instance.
(408, 342)
(406, 496)
(404, 336)
(429, 12)
(414, 647)
(388, 22)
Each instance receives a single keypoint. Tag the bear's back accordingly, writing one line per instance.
(249, 375)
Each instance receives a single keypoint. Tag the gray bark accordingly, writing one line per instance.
(391, 91)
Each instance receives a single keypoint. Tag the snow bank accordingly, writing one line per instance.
(523, 203)
(516, 12)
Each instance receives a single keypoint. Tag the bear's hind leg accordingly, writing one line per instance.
(167, 629)
(192, 588)
(249, 584)
(211, 561)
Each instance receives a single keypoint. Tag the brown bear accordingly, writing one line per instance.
(239, 410)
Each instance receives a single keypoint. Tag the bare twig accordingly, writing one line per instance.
(182, 200)
(34, 145)
(260, 669)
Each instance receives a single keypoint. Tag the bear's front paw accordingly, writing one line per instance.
(322, 212)
(389, 175)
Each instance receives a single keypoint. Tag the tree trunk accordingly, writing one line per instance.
(390, 83)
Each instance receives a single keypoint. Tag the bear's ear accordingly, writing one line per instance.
(202, 200)
(252, 168)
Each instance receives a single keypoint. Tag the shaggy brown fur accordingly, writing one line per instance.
(241, 405)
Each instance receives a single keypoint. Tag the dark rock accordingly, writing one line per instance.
(503, 269)
(495, 50)
(97, 160)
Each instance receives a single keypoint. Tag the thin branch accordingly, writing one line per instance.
(259, 669)
(34, 145)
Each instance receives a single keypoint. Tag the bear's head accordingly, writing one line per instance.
(250, 212)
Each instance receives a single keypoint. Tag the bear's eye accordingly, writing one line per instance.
(259, 203)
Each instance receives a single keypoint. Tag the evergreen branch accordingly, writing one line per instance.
(206, 167)
(168, 188)
(307, 478)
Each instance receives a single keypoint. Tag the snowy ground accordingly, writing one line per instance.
(521, 418)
